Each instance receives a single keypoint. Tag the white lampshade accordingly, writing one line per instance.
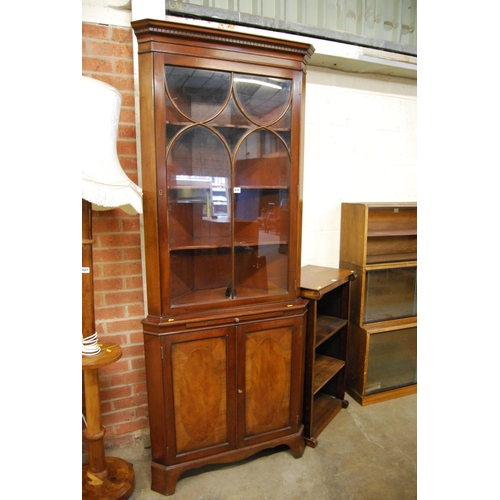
(104, 183)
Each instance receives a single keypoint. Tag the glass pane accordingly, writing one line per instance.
(199, 217)
(262, 99)
(261, 215)
(390, 294)
(392, 360)
(197, 93)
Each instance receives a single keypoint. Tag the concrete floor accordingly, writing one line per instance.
(365, 453)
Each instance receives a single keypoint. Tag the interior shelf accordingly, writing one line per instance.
(326, 408)
(325, 368)
(213, 295)
(382, 233)
(326, 326)
(401, 257)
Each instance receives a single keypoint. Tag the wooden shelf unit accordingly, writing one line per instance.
(327, 290)
(379, 241)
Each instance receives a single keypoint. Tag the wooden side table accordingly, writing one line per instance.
(103, 477)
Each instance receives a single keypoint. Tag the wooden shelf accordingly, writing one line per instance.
(383, 233)
(326, 326)
(379, 259)
(325, 368)
(326, 408)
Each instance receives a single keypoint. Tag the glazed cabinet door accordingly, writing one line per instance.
(269, 385)
(229, 184)
(199, 368)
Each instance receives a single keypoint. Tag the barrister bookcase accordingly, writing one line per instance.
(221, 132)
(379, 241)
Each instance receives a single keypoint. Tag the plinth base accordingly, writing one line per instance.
(117, 486)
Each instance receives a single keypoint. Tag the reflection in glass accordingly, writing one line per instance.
(197, 93)
(392, 361)
(390, 294)
(262, 98)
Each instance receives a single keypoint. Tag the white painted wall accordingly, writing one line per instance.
(360, 145)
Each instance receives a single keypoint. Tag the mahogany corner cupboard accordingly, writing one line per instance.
(221, 135)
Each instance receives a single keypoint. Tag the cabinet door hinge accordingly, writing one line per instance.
(161, 352)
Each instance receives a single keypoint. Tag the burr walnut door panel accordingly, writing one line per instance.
(268, 404)
(202, 404)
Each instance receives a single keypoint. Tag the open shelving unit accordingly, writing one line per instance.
(327, 332)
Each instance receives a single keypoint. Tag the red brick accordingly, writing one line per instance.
(137, 363)
(124, 297)
(121, 35)
(116, 393)
(122, 269)
(123, 325)
(97, 64)
(129, 377)
(133, 352)
(131, 402)
(132, 426)
(127, 115)
(97, 31)
(106, 407)
(124, 66)
(106, 313)
(106, 255)
(135, 283)
(137, 337)
(106, 284)
(132, 254)
(105, 224)
(126, 148)
(119, 441)
(104, 48)
(117, 417)
(140, 388)
(128, 99)
(120, 240)
(142, 411)
(126, 132)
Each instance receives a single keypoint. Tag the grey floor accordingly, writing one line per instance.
(365, 453)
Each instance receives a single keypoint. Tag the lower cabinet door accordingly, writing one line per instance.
(230, 387)
(268, 386)
(202, 405)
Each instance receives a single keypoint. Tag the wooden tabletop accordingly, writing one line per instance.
(317, 280)
(110, 353)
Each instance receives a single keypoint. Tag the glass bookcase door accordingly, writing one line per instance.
(262, 170)
(199, 186)
(390, 294)
(228, 169)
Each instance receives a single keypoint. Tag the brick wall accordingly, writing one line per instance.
(118, 284)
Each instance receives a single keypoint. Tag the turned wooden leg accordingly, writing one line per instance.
(94, 432)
